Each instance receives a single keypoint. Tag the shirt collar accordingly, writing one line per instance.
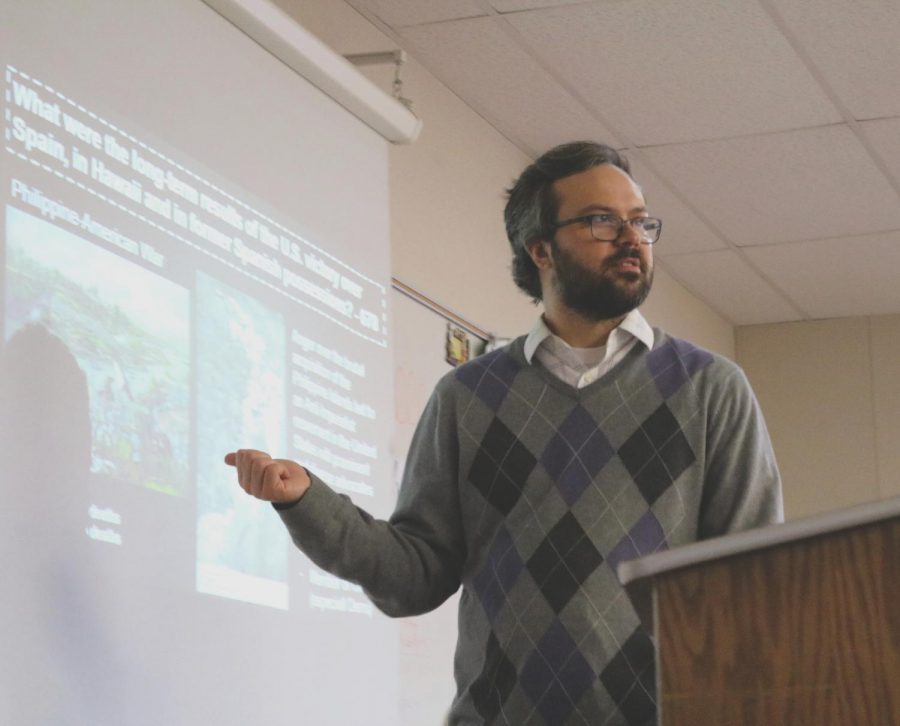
(634, 325)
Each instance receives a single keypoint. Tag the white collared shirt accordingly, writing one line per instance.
(580, 367)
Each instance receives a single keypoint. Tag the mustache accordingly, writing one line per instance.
(625, 254)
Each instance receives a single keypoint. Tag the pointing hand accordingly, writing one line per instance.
(272, 480)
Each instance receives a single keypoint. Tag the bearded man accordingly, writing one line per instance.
(537, 468)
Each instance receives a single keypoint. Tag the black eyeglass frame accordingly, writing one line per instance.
(589, 218)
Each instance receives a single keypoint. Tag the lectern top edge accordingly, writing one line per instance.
(755, 539)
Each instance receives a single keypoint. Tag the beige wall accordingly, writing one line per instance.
(674, 309)
(830, 391)
(447, 188)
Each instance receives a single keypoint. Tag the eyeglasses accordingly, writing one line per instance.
(608, 227)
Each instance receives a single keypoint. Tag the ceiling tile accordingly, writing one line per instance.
(732, 287)
(856, 46)
(837, 277)
(678, 70)
(783, 187)
(511, 6)
(683, 231)
(483, 65)
(400, 13)
(884, 135)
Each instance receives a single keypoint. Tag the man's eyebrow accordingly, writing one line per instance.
(603, 208)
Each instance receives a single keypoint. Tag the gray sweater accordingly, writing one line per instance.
(528, 493)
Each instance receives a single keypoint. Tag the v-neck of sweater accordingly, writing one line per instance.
(585, 392)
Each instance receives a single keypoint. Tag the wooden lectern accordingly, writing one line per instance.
(791, 625)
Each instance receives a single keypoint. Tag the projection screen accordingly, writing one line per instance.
(194, 258)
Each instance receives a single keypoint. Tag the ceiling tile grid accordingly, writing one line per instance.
(842, 277)
(855, 44)
(680, 70)
(401, 13)
(512, 6)
(478, 61)
(732, 287)
(884, 136)
(683, 230)
(783, 187)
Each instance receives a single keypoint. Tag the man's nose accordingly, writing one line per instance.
(629, 236)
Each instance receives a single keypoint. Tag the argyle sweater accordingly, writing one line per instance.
(529, 493)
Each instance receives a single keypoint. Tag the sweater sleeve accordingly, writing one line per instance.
(411, 563)
(742, 486)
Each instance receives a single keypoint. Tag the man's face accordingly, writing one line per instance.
(600, 280)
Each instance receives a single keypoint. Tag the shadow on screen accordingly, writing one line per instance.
(59, 663)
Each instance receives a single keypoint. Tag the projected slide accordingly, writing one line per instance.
(201, 323)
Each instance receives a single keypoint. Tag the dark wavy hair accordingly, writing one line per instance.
(532, 206)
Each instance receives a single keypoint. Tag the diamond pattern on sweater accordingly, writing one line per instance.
(573, 432)
(563, 562)
(626, 675)
(674, 363)
(579, 486)
(645, 537)
(490, 377)
(500, 467)
(657, 453)
(497, 679)
(577, 452)
(498, 574)
(556, 675)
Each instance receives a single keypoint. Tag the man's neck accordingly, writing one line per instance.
(578, 331)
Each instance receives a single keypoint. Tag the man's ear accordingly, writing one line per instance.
(540, 254)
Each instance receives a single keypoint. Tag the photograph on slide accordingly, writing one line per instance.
(128, 330)
(241, 546)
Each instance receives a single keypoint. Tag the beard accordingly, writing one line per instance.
(602, 294)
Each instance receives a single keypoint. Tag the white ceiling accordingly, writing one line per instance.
(766, 133)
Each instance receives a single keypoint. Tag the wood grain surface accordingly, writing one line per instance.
(804, 633)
